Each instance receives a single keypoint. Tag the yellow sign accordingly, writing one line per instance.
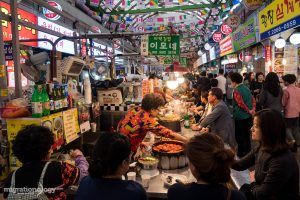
(279, 16)
(13, 127)
(2, 71)
(71, 125)
(3, 92)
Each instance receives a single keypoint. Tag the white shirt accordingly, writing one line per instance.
(222, 83)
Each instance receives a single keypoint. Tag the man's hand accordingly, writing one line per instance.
(195, 127)
(252, 176)
(204, 130)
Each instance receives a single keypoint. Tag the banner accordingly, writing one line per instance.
(226, 46)
(244, 36)
(24, 32)
(279, 16)
(164, 45)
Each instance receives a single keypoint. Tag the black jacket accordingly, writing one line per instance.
(276, 174)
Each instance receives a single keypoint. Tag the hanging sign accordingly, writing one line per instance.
(212, 54)
(144, 45)
(252, 4)
(278, 16)
(217, 36)
(204, 58)
(233, 21)
(244, 36)
(268, 59)
(8, 51)
(226, 46)
(225, 29)
(52, 15)
(24, 32)
(164, 45)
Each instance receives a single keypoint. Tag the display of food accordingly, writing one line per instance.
(170, 117)
(148, 162)
(168, 148)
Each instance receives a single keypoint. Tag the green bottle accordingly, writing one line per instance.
(37, 101)
(46, 103)
(186, 121)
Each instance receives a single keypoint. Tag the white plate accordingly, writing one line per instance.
(170, 179)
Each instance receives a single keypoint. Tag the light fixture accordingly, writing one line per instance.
(172, 83)
(295, 38)
(180, 80)
(280, 43)
(207, 46)
(176, 74)
(284, 61)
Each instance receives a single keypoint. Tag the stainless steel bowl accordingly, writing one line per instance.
(149, 164)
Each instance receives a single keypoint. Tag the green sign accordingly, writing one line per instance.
(244, 36)
(164, 45)
(168, 60)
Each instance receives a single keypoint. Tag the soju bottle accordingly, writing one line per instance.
(46, 102)
(37, 101)
(51, 100)
(186, 121)
(56, 100)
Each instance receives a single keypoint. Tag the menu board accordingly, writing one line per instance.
(278, 61)
(71, 126)
(291, 57)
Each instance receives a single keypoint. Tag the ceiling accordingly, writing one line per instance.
(195, 20)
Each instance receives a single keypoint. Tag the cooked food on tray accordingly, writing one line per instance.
(170, 117)
(148, 160)
(168, 148)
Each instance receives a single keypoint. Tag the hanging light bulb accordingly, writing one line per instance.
(295, 38)
(207, 46)
(176, 74)
(200, 53)
(284, 61)
(172, 85)
(280, 43)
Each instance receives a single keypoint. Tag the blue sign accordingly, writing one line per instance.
(281, 28)
(8, 51)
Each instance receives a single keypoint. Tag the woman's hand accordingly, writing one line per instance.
(75, 153)
(195, 127)
(252, 176)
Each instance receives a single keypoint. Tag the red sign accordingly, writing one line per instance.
(24, 32)
(226, 46)
(83, 47)
(117, 44)
(217, 37)
(268, 59)
(52, 15)
(225, 29)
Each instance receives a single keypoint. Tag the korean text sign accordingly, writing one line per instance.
(226, 46)
(24, 32)
(244, 36)
(279, 16)
(164, 45)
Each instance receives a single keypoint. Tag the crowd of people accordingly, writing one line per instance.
(242, 123)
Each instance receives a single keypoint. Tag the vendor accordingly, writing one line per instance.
(168, 94)
(139, 120)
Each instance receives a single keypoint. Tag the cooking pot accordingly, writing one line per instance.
(168, 160)
(172, 125)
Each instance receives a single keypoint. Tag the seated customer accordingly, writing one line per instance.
(219, 120)
(276, 169)
(209, 163)
(111, 160)
(32, 147)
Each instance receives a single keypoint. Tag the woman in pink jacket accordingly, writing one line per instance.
(291, 106)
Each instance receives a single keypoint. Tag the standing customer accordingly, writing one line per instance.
(222, 82)
(111, 160)
(243, 109)
(219, 120)
(271, 94)
(229, 89)
(276, 170)
(32, 147)
(256, 86)
(209, 163)
(291, 106)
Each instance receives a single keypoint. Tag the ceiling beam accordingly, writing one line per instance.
(163, 9)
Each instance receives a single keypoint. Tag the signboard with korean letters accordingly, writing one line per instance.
(65, 46)
(164, 45)
(278, 16)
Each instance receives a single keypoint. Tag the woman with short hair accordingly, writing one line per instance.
(276, 169)
(209, 163)
(139, 120)
(111, 159)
